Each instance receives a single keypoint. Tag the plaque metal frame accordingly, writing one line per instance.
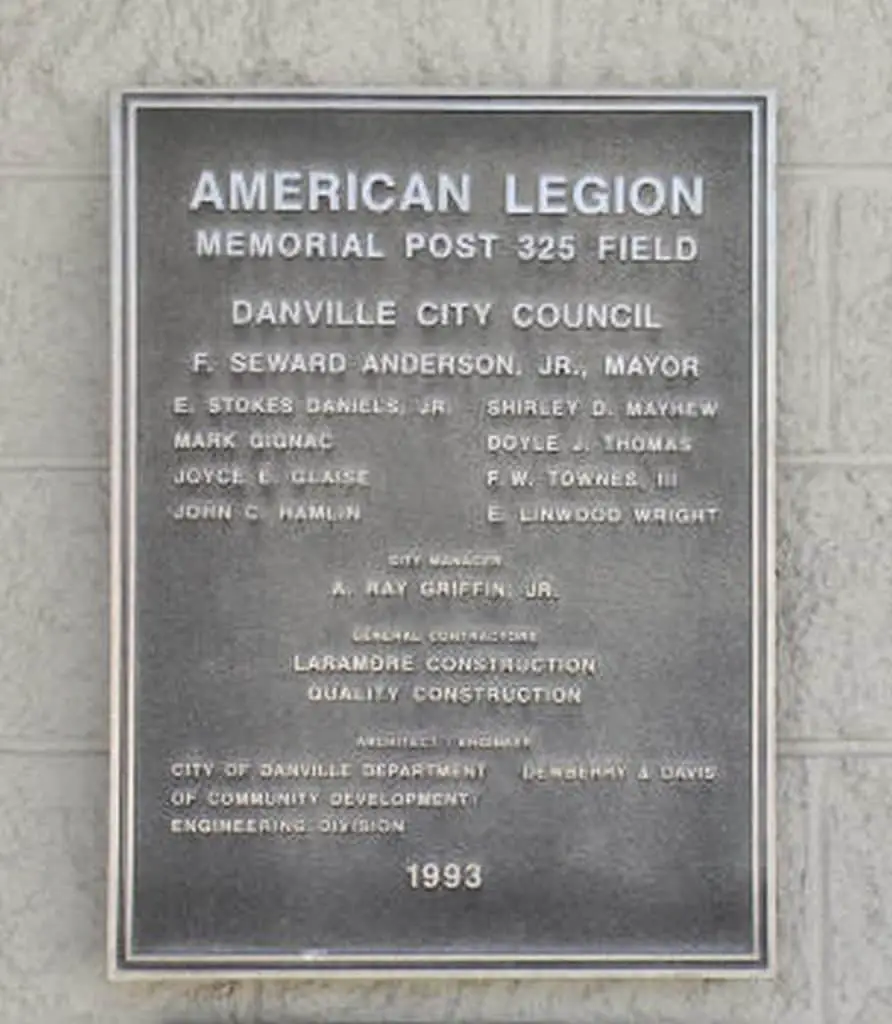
(122, 964)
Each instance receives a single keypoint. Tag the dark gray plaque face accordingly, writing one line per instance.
(442, 522)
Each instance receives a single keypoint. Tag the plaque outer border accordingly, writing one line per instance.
(761, 104)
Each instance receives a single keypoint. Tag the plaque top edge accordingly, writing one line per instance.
(150, 97)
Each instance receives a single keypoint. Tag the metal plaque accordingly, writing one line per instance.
(442, 539)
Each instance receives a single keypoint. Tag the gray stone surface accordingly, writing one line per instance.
(861, 353)
(54, 318)
(52, 908)
(827, 60)
(58, 60)
(835, 594)
(787, 999)
(858, 831)
(53, 663)
(802, 227)
(830, 63)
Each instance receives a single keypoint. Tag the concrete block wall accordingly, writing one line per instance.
(830, 63)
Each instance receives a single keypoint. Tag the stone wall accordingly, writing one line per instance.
(830, 62)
